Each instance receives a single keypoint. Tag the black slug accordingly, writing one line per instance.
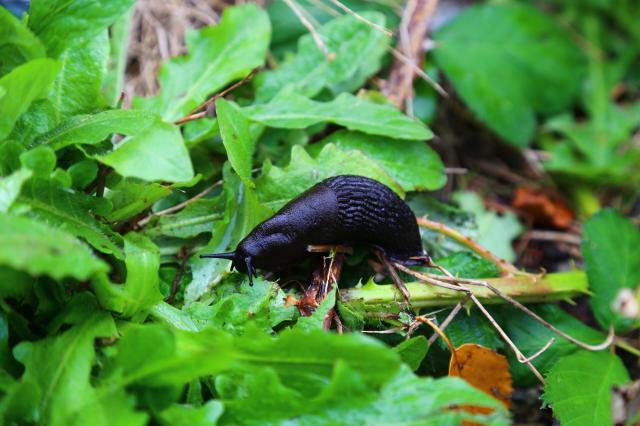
(341, 210)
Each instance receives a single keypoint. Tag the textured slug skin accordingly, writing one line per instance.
(346, 210)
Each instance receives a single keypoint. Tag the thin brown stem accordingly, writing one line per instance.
(194, 114)
(454, 312)
(394, 276)
(179, 206)
(605, 344)
(362, 18)
(317, 38)
(440, 333)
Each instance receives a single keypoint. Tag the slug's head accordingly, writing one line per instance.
(240, 261)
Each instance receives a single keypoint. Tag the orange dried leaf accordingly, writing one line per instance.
(544, 208)
(484, 369)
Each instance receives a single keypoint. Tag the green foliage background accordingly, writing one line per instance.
(85, 263)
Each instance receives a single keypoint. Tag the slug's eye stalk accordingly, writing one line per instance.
(228, 256)
(251, 271)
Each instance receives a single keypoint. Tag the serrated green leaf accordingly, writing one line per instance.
(529, 336)
(61, 23)
(507, 62)
(61, 366)
(579, 387)
(293, 111)
(77, 88)
(358, 49)
(276, 185)
(18, 44)
(413, 164)
(217, 56)
(23, 85)
(71, 212)
(237, 139)
(31, 246)
(495, 232)
(90, 129)
(610, 250)
(235, 308)
(141, 288)
(10, 187)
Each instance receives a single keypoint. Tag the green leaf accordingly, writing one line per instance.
(155, 356)
(413, 164)
(17, 43)
(189, 415)
(71, 212)
(349, 400)
(217, 56)
(472, 327)
(413, 351)
(91, 129)
(23, 85)
(358, 50)
(509, 62)
(529, 335)
(157, 153)
(61, 366)
(293, 111)
(495, 232)
(31, 246)
(82, 173)
(237, 139)
(154, 149)
(276, 185)
(61, 23)
(610, 250)
(130, 198)
(10, 187)
(579, 387)
(41, 161)
(141, 288)
(77, 87)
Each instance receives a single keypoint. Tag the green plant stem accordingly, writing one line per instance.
(375, 298)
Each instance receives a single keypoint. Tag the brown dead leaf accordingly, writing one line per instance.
(484, 369)
(544, 208)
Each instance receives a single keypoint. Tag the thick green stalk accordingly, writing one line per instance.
(373, 299)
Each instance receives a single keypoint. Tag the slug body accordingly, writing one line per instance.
(341, 210)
